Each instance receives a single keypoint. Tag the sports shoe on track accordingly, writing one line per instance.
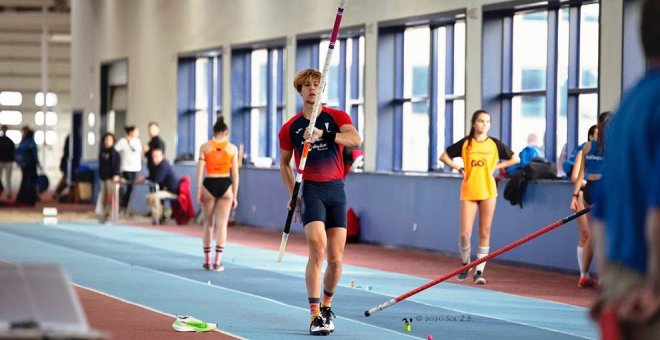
(463, 275)
(206, 266)
(218, 267)
(318, 327)
(184, 323)
(479, 278)
(327, 314)
(586, 282)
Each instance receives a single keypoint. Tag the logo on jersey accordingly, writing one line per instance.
(298, 131)
(477, 163)
(327, 127)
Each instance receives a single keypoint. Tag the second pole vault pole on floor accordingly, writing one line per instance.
(478, 261)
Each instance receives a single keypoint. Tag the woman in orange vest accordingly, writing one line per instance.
(217, 194)
(481, 156)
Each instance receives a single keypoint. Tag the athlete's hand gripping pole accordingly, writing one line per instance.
(312, 123)
(476, 262)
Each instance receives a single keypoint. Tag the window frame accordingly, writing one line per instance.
(391, 98)
(242, 104)
(497, 76)
(351, 79)
(187, 132)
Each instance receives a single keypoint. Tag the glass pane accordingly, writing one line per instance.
(458, 129)
(530, 40)
(259, 77)
(416, 57)
(332, 86)
(589, 16)
(258, 131)
(11, 117)
(51, 137)
(201, 130)
(587, 115)
(11, 98)
(201, 84)
(51, 118)
(415, 137)
(459, 58)
(441, 63)
(15, 136)
(361, 67)
(51, 99)
(527, 121)
(562, 81)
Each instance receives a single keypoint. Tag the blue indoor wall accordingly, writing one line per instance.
(389, 206)
(415, 211)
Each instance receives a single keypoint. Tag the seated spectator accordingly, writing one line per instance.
(168, 185)
(528, 154)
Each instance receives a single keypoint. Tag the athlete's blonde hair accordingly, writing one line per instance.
(303, 76)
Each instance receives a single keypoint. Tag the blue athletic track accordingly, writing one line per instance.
(258, 298)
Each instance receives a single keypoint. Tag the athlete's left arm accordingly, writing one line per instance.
(235, 177)
(509, 162)
(505, 154)
(348, 136)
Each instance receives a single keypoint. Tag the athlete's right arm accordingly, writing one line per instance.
(444, 158)
(285, 169)
(200, 172)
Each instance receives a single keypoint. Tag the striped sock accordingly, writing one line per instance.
(482, 252)
(314, 307)
(327, 298)
(207, 254)
(218, 254)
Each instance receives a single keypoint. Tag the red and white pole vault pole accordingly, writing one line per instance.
(476, 262)
(312, 123)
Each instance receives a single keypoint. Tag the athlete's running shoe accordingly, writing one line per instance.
(462, 275)
(586, 282)
(184, 323)
(206, 266)
(479, 278)
(318, 327)
(328, 314)
(218, 267)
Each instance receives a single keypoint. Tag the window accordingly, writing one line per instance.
(257, 100)
(425, 113)
(345, 78)
(10, 117)
(50, 119)
(548, 73)
(51, 99)
(11, 98)
(199, 101)
(530, 42)
(416, 61)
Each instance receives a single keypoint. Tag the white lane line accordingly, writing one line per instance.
(203, 284)
(145, 307)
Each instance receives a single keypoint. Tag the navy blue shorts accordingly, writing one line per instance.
(325, 202)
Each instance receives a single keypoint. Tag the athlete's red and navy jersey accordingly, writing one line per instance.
(324, 160)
